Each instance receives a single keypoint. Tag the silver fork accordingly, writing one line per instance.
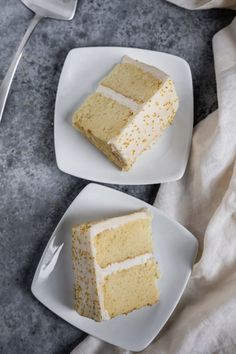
(56, 9)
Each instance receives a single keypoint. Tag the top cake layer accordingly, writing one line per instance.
(132, 82)
(135, 80)
(120, 238)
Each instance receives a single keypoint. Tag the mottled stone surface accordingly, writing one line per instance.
(34, 193)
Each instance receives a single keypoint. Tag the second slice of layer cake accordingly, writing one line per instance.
(115, 270)
(130, 109)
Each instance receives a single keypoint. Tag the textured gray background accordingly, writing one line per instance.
(34, 193)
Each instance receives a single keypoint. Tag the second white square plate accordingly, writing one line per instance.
(174, 248)
(82, 71)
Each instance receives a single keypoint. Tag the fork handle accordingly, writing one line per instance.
(7, 81)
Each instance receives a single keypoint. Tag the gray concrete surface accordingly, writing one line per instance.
(34, 193)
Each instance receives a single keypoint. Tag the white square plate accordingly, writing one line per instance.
(174, 248)
(82, 71)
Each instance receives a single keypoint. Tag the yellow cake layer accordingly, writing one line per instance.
(108, 150)
(102, 117)
(131, 289)
(132, 82)
(124, 242)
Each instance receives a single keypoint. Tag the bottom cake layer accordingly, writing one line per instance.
(99, 119)
(107, 149)
(131, 289)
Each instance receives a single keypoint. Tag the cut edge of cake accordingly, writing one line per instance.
(92, 280)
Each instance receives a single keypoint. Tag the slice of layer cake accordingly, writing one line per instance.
(114, 268)
(130, 109)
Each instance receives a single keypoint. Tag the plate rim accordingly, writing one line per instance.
(139, 181)
(94, 186)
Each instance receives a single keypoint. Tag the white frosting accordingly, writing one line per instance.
(147, 125)
(109, 93)
(84, 275)
(112, 223)
(115, 267)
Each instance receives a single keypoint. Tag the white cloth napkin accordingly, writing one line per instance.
(205, 4)
(204, 201)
